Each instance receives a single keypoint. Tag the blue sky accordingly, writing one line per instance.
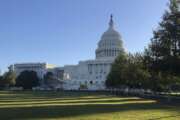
(63, 32)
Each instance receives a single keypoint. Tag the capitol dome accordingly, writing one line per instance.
(110, 44)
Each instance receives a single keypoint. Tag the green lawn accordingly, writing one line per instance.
(81, 106)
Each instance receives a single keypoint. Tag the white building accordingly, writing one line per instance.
(39, 68)
(89, 74)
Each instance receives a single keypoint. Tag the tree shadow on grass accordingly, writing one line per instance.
(22, 98)
(58, 110)
(65, 111)
(14, 95)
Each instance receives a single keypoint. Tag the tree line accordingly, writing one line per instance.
(158, 67)
(26, 80)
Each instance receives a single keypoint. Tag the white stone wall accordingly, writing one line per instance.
(39, 68)
(90, 73)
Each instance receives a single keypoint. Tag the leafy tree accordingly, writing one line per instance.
(48, 78)
(1, 82)
(9, 78)
(163, 53)
(83, 87)
(128, 71)
(27, 79)
(136, 75)
(162, 57)
(116, 76)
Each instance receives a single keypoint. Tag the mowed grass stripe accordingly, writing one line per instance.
(82, 106)
(67, 100)
(55, 103)
(71, 104)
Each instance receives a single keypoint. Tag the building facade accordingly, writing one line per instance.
(89, 74)
(39, 68)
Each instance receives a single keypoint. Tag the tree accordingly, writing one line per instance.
(1, 82)
(128, 71)
(162, 57)
(116, 76)
(164, 49)
(27, 80)
(136, 75)
(9, 78)
(48, 78)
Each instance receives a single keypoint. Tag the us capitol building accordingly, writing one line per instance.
(89, 74)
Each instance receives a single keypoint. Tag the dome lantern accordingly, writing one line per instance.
(111, 22)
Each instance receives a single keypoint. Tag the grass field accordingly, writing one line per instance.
(81, 106)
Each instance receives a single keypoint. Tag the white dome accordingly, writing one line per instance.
(110, 44)
(110, 32)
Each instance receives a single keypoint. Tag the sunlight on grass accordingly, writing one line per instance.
(81, 106)
(70, 103)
